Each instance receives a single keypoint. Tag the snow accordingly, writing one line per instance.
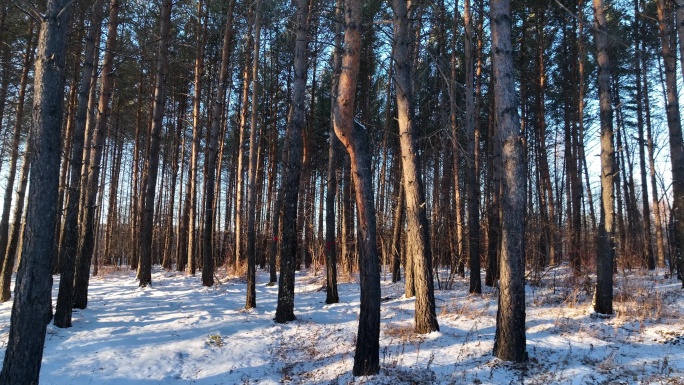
(178, 332)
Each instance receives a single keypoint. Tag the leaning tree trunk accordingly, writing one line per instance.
(293, 163)
(675, 126)
(147, 211)
(32, 308)
(603, 300)
(355, 139)
(417, 236)
(509, 341)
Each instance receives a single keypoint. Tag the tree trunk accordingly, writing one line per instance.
(293, 162)
(660, 246)
(15, 235)
(603, 300)
(32, 310)
(333, 159)
(239, 195)
(355, 139)
(147, 217)
(87, 246)
(472, 189)
(674, 125)
(399, 215)
(217, 111)
(252, 168)
(509, 341)
(418, 237)
(14, 151)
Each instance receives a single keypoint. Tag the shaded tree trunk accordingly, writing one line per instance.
(147, 211)
(88, 225)
(603, 300)
(218, 108)
(32, 310)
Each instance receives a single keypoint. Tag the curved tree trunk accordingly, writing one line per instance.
(354, 138)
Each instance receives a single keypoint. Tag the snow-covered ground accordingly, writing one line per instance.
(178, 332)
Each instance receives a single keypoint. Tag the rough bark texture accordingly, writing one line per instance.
(218, 108)
(293, 163)
(472, 188)
(674, 125)
(603, 299)
(354, 138)
(417, 236)
(251, 173)
(16, 233)
(14, 152)
(147, 211)
(509, 341)
(32, 310)
(89, 222)
(331, 188)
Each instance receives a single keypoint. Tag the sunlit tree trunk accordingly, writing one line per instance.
(674, 125)
(509, 341)
(355, 140)
(292, 162)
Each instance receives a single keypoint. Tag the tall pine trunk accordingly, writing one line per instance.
(603, 300)
(293, 162)
(418, 237)
(90, 219)
(355, 139)
(32, 310)
(147, 209)
(509, 341)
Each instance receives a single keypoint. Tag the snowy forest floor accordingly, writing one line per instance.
(178, 332)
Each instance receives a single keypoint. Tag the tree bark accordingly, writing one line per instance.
(354, 138)
(217, 111)
(147, 211)
(674, 125)
(87, 245)
(14, 151)
(32, 310)
(509, 341)
(16, 233)
(603, 300)
(293, 162)
(418, 237)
